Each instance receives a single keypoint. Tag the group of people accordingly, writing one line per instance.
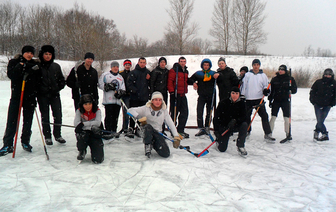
(143, 97)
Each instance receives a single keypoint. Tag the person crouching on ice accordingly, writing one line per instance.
(152, 116)
(88, 131)
(231, 114)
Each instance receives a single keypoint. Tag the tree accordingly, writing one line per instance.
(179, 26)
(248, 20)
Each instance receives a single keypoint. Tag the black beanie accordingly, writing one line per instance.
(47, 48)
(244, 68)
(162, 58)
(28, 49)
(235, 89)
(283, 67)
(89, 55)
(328, 71)
(256, 61)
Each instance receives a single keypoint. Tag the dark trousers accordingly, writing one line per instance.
(151, 136)
(126, 100)
(56, 107)
(111, 117)
(224, 140)
(321, 114)
(135, 103)
(87, 138)
(28, 106)
(181, 111)
(201, 101)
(261, 112)
(284, 107)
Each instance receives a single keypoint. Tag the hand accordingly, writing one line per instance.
(119, 94)
(232, 123)
(30, 68)
(216, 75)
(96, 130)
(143, 120)
(195, 86)
(147, 77)
(176, 143)
(266, 91)
(79, 128)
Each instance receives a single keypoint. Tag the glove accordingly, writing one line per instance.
(79, 128)
(106, 87)
(232, 123)
(120, 93)
(143, 120)
(113, 86)
(31, 69)
(176, 143)
(96, 130)
(266, 91)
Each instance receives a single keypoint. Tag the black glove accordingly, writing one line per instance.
(107, 87)
(79, 128)
(119, 94)
(96, 130)
(232, 123)
(266, 91)
(31, 68)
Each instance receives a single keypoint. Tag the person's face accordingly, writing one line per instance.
(87, 106)
(47, 56)
(222, 65)
(256, 67)
(115, 69)
(127, 67)
(183, 62)
(142, 63)
(28, 55)
(327, 75)
(162, 64)
(281, 71)
(242, 73)
(88, 61)
(234, 96)
(206, 66)
(157, 102)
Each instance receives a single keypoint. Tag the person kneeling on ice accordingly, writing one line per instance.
(88, 129)
(231, 115)
(152, 116)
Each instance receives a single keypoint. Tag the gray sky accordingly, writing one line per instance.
(291, 25)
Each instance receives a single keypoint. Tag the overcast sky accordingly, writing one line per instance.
(291, 25)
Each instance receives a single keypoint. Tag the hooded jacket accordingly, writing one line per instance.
(158, 80)
(253, 85)
(138, 85)
(280, 87)
(182, 82)
(226, 80)
(323, 92)
(205, 88)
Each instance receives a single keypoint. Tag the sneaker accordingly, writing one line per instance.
(207, 130)
(81, 155)
(5, 150)
(148, 149)
(121, 131)
(201, 132)
(27, 147)
(269, 138)
(60, 140)
(48, 141)
(129, 133)
(324, 137)
(241, 151)
(108, 136)
(184, 135)
(316, 134)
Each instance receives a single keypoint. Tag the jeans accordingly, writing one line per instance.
(321, 114)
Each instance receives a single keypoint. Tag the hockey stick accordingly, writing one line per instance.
(206, 151)
(42, 138)
(175, 107)
(134, 119)
(64, 125)
(212, 102)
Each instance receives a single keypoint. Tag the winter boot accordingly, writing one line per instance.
(269, 138)
(201, 132)
(60, 140)
(27, 147)
(81, 155)
(129, 133)
(148, 149)
(48, 141)
(316, 134)
(5, 150)
(108, 136)
(324, 137)
(242, 151)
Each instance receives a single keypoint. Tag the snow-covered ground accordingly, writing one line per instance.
(296, 176)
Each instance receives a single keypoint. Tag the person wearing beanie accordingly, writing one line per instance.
(281, 84)
(113, 85)
(21, 68)
(88, 129)
(126, 98)
(138, 85)
(204, 82)
(83, 79)
(51, 83)
(158, 81)
(254, 88)
(242, 72)
(231, 115)
(152, 115)
(226, 80)
(323, 97)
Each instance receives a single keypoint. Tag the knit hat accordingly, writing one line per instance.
(221, 59)
(328, 71)
(127, 61)
(85, 99)
(283, 67)
(244, 68)
(156, 95)
(28, 49)
(256, 61)
(162, 58)
(47, 48)
(89, 55)
(114, 63)
(235, 89)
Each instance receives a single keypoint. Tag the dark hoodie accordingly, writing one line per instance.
(226, 80)
(280, 87)
(137, 84)
(323, 92)
(158, 80)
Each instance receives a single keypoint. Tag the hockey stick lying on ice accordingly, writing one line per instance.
(206, 151)
(134, 119)
(64, 125)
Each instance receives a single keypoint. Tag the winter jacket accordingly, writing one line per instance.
(138, 85)
(182, 82)
(158, 80)
(323, 92)
(109, 77)
(226, 80)
(205, 88)
(280, 88)
(253, 85)
(125, 75)
(88, 119)
(16, 72)
(228, 110)
(86, 81)
(52, 79)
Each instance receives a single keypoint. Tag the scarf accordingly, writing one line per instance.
(207, 76)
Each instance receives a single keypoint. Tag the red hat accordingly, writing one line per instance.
(127, 62)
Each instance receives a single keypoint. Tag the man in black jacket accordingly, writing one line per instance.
(22, 67)
(226, 80)
(281, 84)
(323, 97)
(52, 81)
(231, 114)
(84, 80)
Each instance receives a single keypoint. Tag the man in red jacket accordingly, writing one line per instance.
(178, 99)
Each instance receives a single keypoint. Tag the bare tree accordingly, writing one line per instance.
(248, 21)
(180, 13)
(309, 51)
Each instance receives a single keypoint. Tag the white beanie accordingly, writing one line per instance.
(157, 95)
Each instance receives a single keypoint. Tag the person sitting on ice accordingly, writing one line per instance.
(231, 114)
(88, 129)
(152, 116)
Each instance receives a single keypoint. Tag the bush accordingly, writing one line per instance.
(303, 78)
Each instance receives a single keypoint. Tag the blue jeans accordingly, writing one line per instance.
(321, 114)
